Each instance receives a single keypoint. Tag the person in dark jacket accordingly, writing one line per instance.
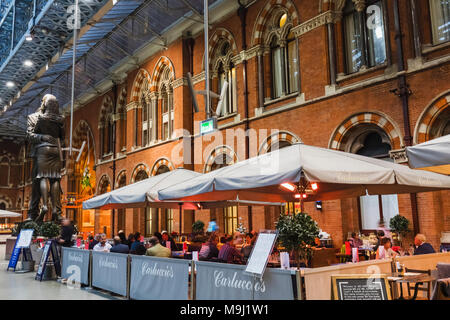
(119, 247)
(137, 247)
(130, 240)
(122, 237)
(209, 249)
(67, 229)
(94, 241)
(421, 247)
(248, 246)
(166, 238)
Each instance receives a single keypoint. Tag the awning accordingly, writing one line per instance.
(433, 155)
(9, 214)
(339, 175)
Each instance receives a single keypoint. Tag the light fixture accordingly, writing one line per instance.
(314, 186)
(28, 63)
(298, 196)
(288, 186)
(304, 196)
(9, 84)
(319, 205)
(29, 37)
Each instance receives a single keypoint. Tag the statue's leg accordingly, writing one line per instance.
(55, 194)
(44, 193)
(33, 211)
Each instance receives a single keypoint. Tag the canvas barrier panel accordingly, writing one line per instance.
(109, 271)
(155, 278)
(75, 265)
(220, 281)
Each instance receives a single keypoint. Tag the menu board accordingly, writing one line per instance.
(24, 239)
(260, 254)
(360, 287)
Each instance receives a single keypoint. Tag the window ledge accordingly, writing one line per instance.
(343, 77)
(282, 98)
(429, 48)
(228, 116)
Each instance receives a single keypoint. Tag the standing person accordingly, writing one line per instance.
(228, 252)
(157, 250)
(67, 230)
(422, 247)
(386, 244)
(119, 247)
(102, 245)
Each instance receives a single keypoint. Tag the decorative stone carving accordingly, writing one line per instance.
(398, 155)
(318, 21)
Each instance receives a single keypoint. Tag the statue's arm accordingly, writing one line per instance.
(31, 126)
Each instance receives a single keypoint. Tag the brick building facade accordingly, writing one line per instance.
(360, 76)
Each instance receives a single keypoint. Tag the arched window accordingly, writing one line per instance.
(146, 120)
(364, 33)
(4, 171)
(440, 20)
(283, 58)
(226, 71)
(376, 209)
(166, 107)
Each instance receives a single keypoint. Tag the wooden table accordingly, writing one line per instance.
(417, 278)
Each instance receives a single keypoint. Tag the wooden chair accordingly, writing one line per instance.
(420, 286)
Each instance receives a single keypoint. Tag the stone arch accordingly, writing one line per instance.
(161, 162)
(220, 150)
(341, 134)
(106, 110)
(158, 72)
(122, 174)
(433, 118)
(139, 84)
(265, 15)
(137, 169)
(279, 136)
(81, 133)
(220, 35)
(6, 200)
(103, 181)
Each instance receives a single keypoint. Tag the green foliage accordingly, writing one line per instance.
(297, 233)
(198, 226)
(49, 229)
(28, 225)
(399, 224)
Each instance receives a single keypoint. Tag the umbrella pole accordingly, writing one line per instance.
(181, 210)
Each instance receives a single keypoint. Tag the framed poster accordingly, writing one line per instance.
(260, 254)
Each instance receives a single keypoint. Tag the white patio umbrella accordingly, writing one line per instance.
(319, 173)
(433, 155)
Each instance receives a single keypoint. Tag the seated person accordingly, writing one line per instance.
(318, 243)
(422, 247)
(157, 250)
(248, 245)
(209, 249)
(355, 240)
(385, 244)
(137, 247)
(166, 238)
(196, 244)
(228, 253)
(119, 247)
(102, 245)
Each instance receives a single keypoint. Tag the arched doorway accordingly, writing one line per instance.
(103, 223)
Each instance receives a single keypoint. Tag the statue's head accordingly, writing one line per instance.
(49, 104)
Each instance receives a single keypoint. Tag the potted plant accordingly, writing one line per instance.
(297, 233)
(198, 227)
(49, 229)
(400, 225)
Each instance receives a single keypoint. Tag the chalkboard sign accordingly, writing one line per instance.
(360, 287)
(260, 254)
(50, 247)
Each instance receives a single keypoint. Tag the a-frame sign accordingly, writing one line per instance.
(22, 246)
(50, 247)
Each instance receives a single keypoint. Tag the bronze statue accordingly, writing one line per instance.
(45, 131)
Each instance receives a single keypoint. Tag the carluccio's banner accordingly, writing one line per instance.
(109, 271)
(220, 281)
